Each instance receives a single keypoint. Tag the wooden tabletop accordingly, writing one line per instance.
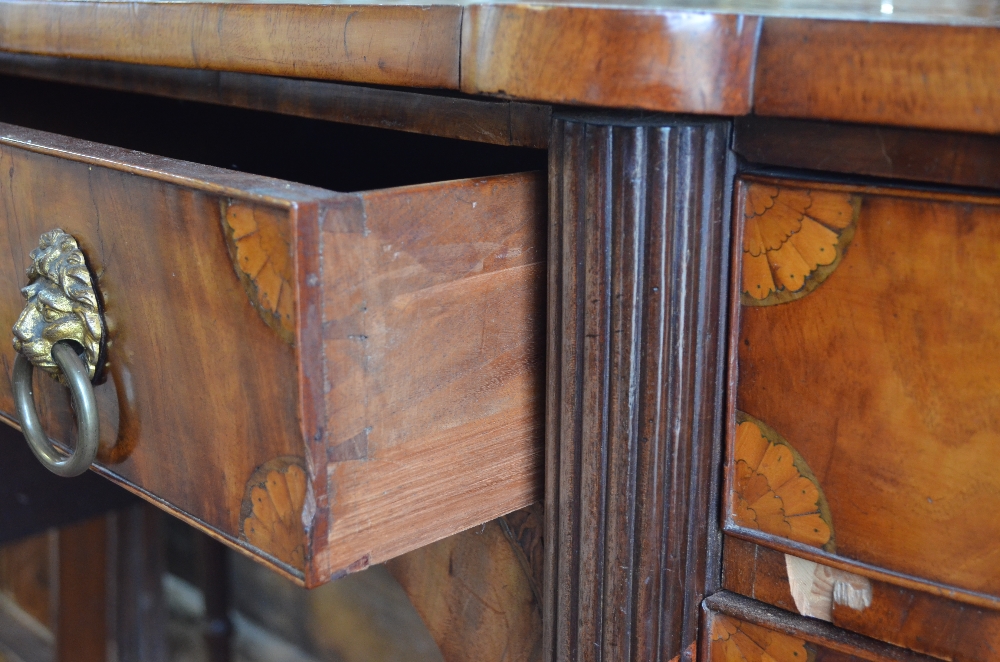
(921, 64)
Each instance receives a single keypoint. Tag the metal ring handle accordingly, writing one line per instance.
(83, 402)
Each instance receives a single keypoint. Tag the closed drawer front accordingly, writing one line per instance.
(324, 380)
(865, 419)
(740, 630)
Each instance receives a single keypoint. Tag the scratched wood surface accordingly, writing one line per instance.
(916, 620)
(395, 401)
(867, 380)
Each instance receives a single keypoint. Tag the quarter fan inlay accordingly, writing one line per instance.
(793, 239)
(775, 492)
(773, 489)
(271, 516)
(261, 250)
(737, 641)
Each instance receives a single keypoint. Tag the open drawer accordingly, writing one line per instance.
(323, 380)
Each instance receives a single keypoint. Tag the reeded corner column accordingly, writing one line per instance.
(638, 260)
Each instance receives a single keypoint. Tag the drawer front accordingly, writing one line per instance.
(321, 379)
(740, 630)
(924, 621)
(865, 419)
(734, 640)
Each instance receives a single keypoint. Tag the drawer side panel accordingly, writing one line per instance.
(434, 363)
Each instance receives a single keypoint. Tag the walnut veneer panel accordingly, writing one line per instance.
(324, 380)
(383, 45)
(913, 619)
(738, 629)
(174, 405)
(929, 76)
(717, 58)
(868, 383)
(649, 58)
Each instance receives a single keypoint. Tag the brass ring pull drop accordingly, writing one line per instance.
(62, 315)
(84, 404)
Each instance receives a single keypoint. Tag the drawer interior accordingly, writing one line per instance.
(330, 155)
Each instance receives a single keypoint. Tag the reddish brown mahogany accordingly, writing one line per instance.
(629, 561)
(323, 380)
(655, 59)
(925, 72)
(387, 45)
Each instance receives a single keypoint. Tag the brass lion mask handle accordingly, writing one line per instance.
(61, 330)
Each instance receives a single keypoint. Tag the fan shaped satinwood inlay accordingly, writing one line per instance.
(734, 640)
(793, 239)
(271, 516)
(260, 245)
(773, 489)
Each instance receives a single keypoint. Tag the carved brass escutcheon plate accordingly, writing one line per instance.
(62, 305)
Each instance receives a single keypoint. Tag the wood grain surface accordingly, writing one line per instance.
(172, 271)
(634, 58)
(957, 159)
(884, 381)
(684, 59)
(474, 594)
(495, 121)
(383, 45)
(406, 387)
(82, 625)
(756, 572)
(929, 76)
(916, 620)
(433, 318)
(738, 629)
(638, 248)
